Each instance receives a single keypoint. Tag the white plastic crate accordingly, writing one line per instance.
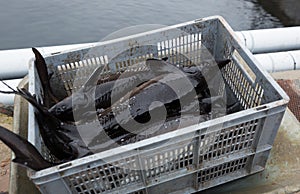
(195, 157)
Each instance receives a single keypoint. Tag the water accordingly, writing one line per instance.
(31, 23)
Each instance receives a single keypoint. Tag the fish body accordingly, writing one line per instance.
(103, 95)
(139, 103)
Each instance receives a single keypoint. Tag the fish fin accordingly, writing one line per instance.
(222, 63)
(154, 63)
(157, 59)
(154, 59)
(50, 76)
(26, 154)
(27, 95)
(165, 58)
(13, 91)
(32, 100)
(210, 71)
(235, 107)
(32, 163)
(94, 77)
(41, 68)
(37, 105)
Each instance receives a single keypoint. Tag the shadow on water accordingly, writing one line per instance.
(261, 18)
(287, 11)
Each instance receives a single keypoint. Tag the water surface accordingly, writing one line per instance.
(31, 23)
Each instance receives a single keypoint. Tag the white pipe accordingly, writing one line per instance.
(271, 40)
(8, 99)
(281, 61)
(14, 63)
(272, 62)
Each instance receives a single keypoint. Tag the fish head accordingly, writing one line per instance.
(65, 109)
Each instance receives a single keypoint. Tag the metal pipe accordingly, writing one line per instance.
(271, 40)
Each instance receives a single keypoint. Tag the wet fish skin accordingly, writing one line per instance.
(98, 96)
(112, 127)
(139, 105)
(146, 95)
(82, 100)
(26, 154)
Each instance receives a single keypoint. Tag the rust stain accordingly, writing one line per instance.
(292, 88)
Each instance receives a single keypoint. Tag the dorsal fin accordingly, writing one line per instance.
(93, 79)
(41, 67)
(155, 64)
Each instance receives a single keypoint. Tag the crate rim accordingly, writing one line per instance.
(102, 43)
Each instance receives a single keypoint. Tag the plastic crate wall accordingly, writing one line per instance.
(194, 158)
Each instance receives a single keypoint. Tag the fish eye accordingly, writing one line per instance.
(63, 107)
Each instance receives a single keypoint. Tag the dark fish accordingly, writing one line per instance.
(42, 71)
(99, 96)
(26, 154)
(141, 98)
(92, 96)
(62, 139)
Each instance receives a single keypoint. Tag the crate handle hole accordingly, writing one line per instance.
(65, 165)
(261, 108)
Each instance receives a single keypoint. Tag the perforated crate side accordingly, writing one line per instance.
(105, 178)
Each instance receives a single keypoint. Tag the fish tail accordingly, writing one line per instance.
(26, 154)
(27, 96)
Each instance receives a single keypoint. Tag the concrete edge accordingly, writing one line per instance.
(19, 182)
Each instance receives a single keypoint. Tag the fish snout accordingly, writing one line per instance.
(58, 110)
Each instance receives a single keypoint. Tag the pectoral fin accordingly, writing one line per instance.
(93, 79)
